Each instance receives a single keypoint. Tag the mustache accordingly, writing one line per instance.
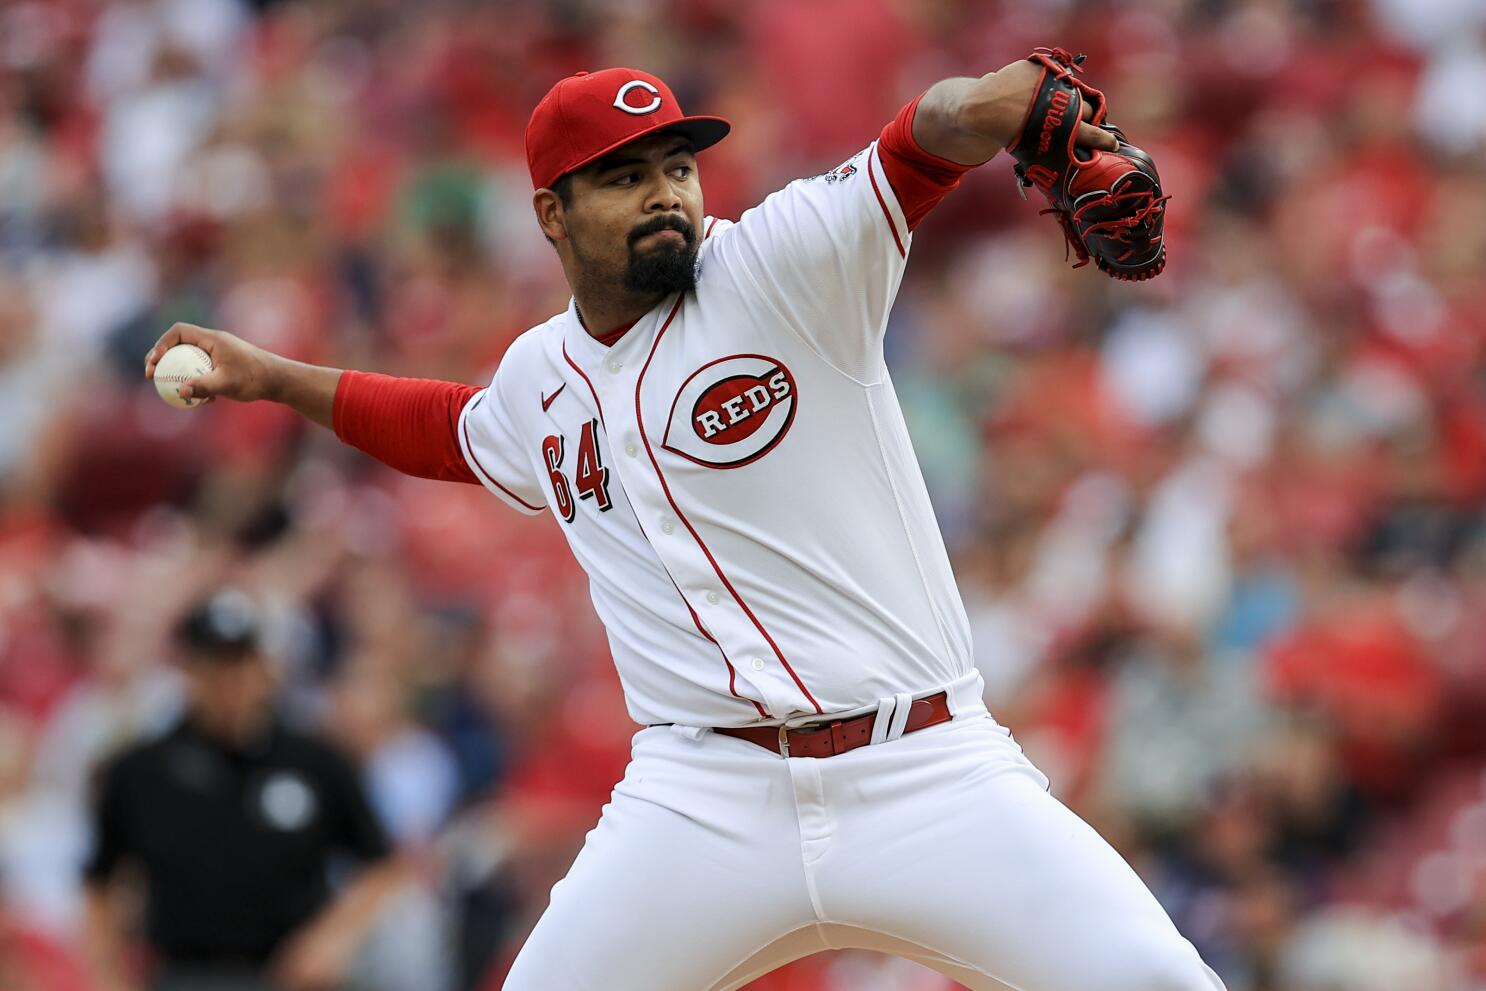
(664, 223)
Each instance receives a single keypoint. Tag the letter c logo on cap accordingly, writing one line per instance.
(621, 103)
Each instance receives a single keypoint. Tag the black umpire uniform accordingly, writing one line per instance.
(232, 831)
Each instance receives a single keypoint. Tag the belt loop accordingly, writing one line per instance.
(903, 703)
(966, 695)
(783, 741)
(883, 722)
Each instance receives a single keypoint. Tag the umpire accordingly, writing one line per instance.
(231, 821)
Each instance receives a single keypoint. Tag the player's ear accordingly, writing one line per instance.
(551, 215)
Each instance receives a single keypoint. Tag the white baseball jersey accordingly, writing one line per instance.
(735, 475)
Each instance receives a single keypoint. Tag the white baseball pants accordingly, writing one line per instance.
(717, 861)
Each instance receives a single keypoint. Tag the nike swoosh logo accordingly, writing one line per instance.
(547, 401)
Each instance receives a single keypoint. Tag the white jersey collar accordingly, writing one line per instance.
(590, 354)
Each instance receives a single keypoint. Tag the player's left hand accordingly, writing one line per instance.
(1108, 201)
(1025, 76)
(1093, 136)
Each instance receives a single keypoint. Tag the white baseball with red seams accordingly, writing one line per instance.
(176, 367)
(736, 478)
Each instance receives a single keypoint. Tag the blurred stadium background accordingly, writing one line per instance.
(1221, 536)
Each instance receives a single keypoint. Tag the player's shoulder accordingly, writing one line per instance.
(843, 175)
(536, 341)
(712, 258)
(845, 184)
(849, 174)
(713, 230)
(532, 348)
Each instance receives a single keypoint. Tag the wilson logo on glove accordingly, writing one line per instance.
(732, 411)
(1053, 119)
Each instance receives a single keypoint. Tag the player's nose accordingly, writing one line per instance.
(663, 197)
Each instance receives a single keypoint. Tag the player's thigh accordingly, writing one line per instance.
(693, 868)
(973, 861)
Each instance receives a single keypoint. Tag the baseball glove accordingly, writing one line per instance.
(1109, 203)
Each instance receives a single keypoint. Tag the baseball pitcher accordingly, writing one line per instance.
(712, 425)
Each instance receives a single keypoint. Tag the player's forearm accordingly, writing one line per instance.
(307, 389)
(969, 120)
(408, 424)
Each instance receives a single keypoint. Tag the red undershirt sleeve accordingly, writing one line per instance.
(408, 424)
(919, 178)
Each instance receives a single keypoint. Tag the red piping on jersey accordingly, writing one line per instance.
(891, 224)
(709, 229)
(596, 404)
(640, 423)
(732, 672)
(918, 178)
(465, 426)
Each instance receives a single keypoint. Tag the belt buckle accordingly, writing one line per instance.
(783, 741)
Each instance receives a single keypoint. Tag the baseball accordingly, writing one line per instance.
(176, 366)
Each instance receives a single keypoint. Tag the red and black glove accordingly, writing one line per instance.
(1109, 203)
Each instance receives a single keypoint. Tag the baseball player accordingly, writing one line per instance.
(712, 426)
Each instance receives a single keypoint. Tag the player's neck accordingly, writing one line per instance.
(601, 314)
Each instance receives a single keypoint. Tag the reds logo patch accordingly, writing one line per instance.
(839, 173)
(732, 411)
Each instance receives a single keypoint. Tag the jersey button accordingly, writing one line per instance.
(666, 526)
(758, 663)
(631, 450)
(614, 367)
(713, 598)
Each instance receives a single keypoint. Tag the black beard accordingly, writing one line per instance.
(665, 269)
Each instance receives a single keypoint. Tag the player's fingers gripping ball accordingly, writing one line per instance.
(175, 368)
(1109, 203)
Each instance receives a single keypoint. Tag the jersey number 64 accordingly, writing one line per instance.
(590, 475)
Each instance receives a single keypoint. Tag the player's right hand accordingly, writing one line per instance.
(240, 370)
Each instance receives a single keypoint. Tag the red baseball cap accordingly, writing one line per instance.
(588, 115)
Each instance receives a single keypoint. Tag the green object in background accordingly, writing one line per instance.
(446, 196)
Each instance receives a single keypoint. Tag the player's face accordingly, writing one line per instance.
(635, 215)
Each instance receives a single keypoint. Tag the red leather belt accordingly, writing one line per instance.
(838, 736)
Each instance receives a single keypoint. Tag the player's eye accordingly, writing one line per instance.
(628, 179)
(682, 171)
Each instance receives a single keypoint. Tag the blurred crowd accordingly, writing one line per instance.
(1222, 536)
